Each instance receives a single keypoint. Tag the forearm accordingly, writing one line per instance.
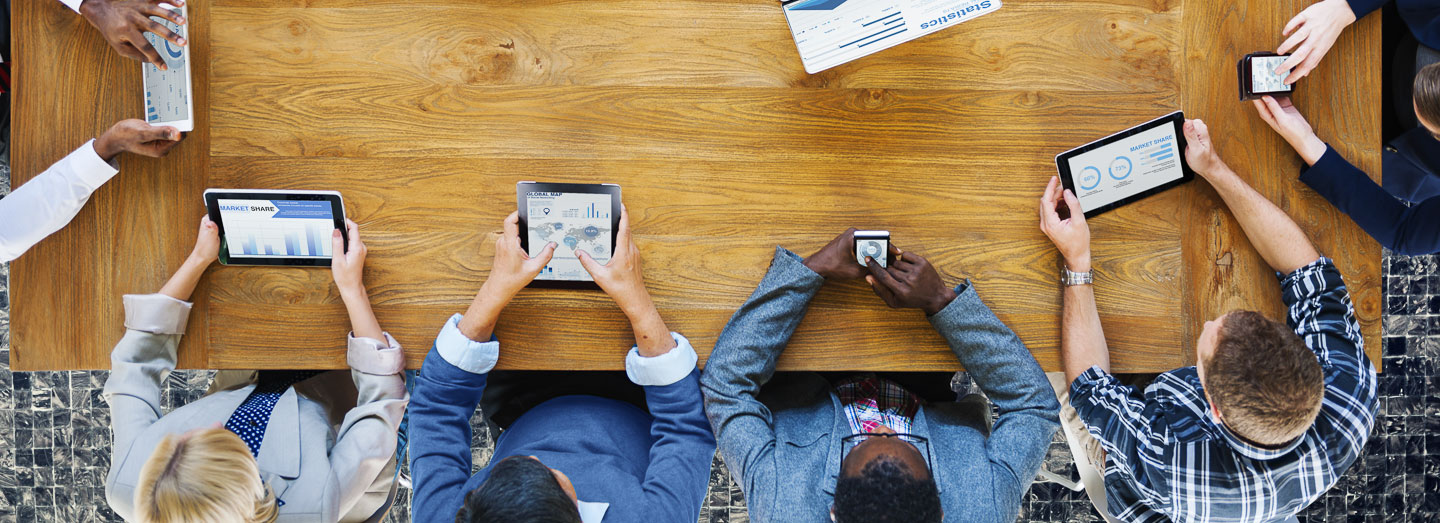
(1082, 339)
(362, 318)
(182, 284)
(652, 336)
(480, 318)
(1277, 238)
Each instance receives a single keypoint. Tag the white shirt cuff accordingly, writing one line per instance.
(664, 369)
(156, 313)
(72, 4)
(467, 354)
(88, 167)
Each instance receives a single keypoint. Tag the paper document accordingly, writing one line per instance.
(831, 32)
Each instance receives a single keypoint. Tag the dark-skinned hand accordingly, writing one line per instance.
(124, 23)
(910, 282)
(136, 136)
(836, 260)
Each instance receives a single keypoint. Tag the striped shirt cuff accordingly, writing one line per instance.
(664, 369)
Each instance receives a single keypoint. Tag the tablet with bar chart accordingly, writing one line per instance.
(1128, 165)
(831, 32)
(168, 97)
(573, 216)
(276, 227)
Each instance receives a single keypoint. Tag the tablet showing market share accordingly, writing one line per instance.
(1126, 166)
(575, 217)
(275, 227)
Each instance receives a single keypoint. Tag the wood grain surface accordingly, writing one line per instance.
(424, 113)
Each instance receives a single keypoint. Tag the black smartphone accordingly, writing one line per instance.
(1258, 77)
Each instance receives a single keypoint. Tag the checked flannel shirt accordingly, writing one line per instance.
(1169, 459)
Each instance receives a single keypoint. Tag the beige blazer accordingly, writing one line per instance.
(329, 447)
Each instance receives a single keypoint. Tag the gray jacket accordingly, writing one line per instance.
(329, 447)
(783, 442)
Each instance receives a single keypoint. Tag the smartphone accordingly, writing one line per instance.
(874, 244)
(1258, 77)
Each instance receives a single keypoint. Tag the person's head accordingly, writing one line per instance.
(1427, 98)
(203, 475)
(521, 488)
(1262, 382)
(885, 479)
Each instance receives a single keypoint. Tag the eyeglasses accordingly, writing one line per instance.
(848, 443)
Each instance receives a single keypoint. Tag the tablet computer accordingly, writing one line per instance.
(1128, 165)
(168, 97)
(261, 227)
(574, 216)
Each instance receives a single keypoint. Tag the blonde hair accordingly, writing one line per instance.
(209, 476)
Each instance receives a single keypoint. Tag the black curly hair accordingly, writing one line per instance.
(886, 491)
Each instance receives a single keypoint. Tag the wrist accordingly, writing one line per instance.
(105, 147)
(942, 300)
(354, 293)
(1078, 263)
(1311, 148)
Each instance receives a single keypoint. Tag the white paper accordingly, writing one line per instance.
(831, 32)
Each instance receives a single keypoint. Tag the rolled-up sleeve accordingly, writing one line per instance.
(664, 369)
(477, 357)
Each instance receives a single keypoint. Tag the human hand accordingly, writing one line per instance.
(124, 23)
(513, 268)
(1071, 235)
(1285, 119)
(138, 137)
(909, 282)
(836, 260)
(1200, 152)
(348, 267)
(621, 277)
(207, 243)
(1316, 29)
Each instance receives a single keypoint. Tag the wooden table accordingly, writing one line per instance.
(424, 113)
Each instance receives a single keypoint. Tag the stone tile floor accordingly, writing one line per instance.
(55, 438)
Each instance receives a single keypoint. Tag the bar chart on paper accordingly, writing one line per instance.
(831, 32)
(289, 229)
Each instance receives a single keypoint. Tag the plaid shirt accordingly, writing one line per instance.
(871, 401)
(1168, 458)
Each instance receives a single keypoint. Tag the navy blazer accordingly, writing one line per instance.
(1423, 17)
(1405, 230)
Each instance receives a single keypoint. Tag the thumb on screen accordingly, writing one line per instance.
(543, 258)
(586, 261)
(1073, 203)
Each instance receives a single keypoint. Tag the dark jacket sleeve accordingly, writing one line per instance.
(1365, 7)
(1405, 230)
(743, 360)
(1012, 379)
(445, 397)
(679, 472)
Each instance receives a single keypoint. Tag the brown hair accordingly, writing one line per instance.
(1266, 384)
(208, 476)
(1427, 95)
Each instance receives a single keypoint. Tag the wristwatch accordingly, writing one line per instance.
(1069, 277)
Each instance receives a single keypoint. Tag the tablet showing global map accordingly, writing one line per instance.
(574, 221)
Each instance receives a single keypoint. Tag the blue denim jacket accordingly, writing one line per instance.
(783, 443)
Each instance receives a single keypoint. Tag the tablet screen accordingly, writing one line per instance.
(167, 93)
(573, 221)
(1127, 167)
(277, 228)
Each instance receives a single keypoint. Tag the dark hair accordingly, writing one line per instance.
(1265, 382)
(886, 490)
(519, 489)
(1427, 94)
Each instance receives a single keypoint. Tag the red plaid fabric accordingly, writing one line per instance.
(871, 401)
